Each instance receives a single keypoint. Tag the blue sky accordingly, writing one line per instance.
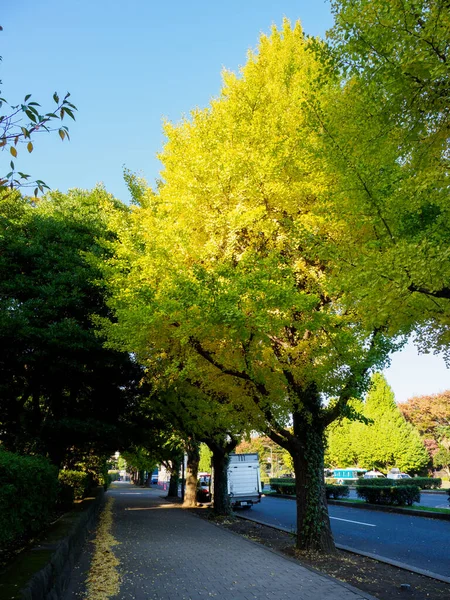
(127, 66)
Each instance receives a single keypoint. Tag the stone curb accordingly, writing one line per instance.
(49, 583)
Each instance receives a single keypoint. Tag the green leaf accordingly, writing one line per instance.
(62, 134)
(56, 98)
(31, 116)
(27, 97)
(69, 112)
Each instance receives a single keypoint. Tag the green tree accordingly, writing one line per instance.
(387, 441)
(385, 140)
(204, 465)
(342, 450)
(60, 388)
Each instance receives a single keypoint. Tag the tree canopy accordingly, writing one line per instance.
(60, 388)
(386, 141)
(217, 281)
(386, 440)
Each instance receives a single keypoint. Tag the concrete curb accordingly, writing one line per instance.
(49, 583)
(382, 559)
(396, 563)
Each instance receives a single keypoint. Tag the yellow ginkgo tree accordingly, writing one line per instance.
(217, 279)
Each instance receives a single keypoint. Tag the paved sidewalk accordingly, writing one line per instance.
(167, 553)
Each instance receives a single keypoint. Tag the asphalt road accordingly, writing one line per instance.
(416, 541)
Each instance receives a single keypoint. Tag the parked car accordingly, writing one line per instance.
(204, 488)
(373, 475)
(395, 473)
(398, 476)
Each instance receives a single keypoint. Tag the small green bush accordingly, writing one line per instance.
(396, 494)
(79, 481)
(283, 485)
(424, 483)
(336, 491)
(28, 495)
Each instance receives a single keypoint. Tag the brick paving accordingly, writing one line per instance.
(167, 553)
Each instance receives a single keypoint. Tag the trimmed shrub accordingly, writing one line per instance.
(77, 480)
(427, 483)
(283, 485)
(336, 491)
(396, 494)
(424, 483)
(28, 495)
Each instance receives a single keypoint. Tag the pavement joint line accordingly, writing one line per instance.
(382, 559)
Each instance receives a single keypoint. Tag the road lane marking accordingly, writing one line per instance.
(357, 522)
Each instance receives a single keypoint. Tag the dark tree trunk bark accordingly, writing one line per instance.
(193, 459)
(220, 460)
(174, 478)
(141, 477)
(313, 522)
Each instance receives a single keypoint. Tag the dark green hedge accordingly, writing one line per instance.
(283, 485)
(424, 483)
(336, 491)
(400, 495)
(28, 495)
(79, 481)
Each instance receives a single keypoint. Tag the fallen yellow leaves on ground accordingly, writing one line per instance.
(103, 580)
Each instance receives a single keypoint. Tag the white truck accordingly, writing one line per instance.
(244, 480)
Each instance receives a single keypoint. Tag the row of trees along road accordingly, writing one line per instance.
(301, 221)
(228, 279)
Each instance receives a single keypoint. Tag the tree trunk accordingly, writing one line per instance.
(174, 478)
(193, 459)
(141, 477)
(313, 522)
(220, 460)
